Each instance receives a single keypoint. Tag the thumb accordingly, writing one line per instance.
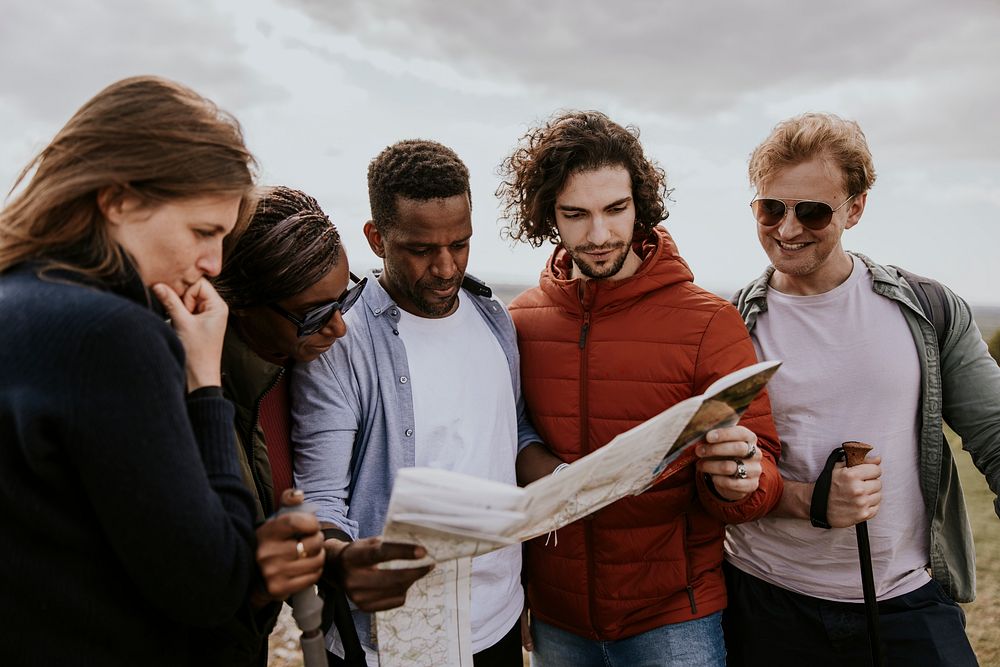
(171, 302)
(292, 498)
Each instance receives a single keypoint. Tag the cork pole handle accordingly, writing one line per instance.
(856, 452)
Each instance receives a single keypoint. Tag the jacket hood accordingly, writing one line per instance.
(661, 266)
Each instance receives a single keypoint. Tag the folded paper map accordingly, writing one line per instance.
(456, 516)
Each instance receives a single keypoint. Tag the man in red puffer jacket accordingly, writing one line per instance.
(615, 333)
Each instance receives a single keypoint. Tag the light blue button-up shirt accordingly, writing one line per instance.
(352, 415)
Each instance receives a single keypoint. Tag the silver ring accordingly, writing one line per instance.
(751, 450)
(741, 470)
(300, 549)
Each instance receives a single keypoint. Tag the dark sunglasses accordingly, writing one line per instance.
(813, 215)
(317, 318)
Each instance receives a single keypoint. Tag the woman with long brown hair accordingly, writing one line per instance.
(126, 522)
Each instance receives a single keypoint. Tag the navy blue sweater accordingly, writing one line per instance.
(125, 523)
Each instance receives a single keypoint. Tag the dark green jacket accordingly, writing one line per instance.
(246, 378)
(960, 386)
(242, 642)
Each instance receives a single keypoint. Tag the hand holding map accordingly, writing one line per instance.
(455, 516)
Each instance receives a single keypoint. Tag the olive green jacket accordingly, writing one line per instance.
(960, 386)
(246, 378)
(242, 642)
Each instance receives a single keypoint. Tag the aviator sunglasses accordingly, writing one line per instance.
(317, 318)
(814, 215)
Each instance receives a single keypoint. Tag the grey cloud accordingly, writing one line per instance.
(265, 28)
(684, 60)
(59, 53)
(395, 94)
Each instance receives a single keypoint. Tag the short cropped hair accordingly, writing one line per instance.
(815, 135)
(413, 169)
(288, 245)
(568, 143)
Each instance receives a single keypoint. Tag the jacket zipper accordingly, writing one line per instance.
(248, 445)
(584, 447)
(687, 565)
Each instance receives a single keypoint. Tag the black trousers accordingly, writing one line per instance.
(505, 653)
(770, 626)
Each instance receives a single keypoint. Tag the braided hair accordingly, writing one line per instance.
(288, 245)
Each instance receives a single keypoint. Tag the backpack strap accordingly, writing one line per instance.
(337, 612)
(476, 286)
(932, 300)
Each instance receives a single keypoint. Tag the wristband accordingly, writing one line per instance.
(205, 392)
(336, 534)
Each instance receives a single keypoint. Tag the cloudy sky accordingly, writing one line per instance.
(321, 86)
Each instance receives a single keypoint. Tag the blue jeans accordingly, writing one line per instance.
(696, 643)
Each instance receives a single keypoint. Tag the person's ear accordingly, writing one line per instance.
(375, 240)
(116, 205)
(856, 209)
(110, 202)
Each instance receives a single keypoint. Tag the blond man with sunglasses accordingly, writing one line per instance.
(862, 361)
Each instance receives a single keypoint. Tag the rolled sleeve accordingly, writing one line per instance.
(325, 424)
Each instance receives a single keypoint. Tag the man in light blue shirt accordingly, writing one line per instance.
(428, 374)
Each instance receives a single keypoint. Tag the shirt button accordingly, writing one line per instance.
(402, 379)
(394, 312)
(408, 432)
(378, 310)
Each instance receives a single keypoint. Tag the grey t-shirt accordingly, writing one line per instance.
(850, 372)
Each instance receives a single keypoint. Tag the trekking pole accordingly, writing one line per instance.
(307, 610)
(856, 452)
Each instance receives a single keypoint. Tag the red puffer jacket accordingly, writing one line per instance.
(597, 358)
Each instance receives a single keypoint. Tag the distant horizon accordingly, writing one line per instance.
(724, 292)
(499, 280)
(987, 317)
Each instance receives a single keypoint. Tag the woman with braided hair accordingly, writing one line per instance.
(287, 282)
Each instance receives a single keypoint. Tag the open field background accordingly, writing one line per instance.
(988, 319)
(983, 615)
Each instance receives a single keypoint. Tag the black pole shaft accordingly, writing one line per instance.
(868, 587)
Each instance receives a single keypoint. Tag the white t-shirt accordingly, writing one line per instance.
(850, 372)
(465, 420)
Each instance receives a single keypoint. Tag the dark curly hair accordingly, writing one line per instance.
(288, 245)
(571, 142)
(415, 169)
